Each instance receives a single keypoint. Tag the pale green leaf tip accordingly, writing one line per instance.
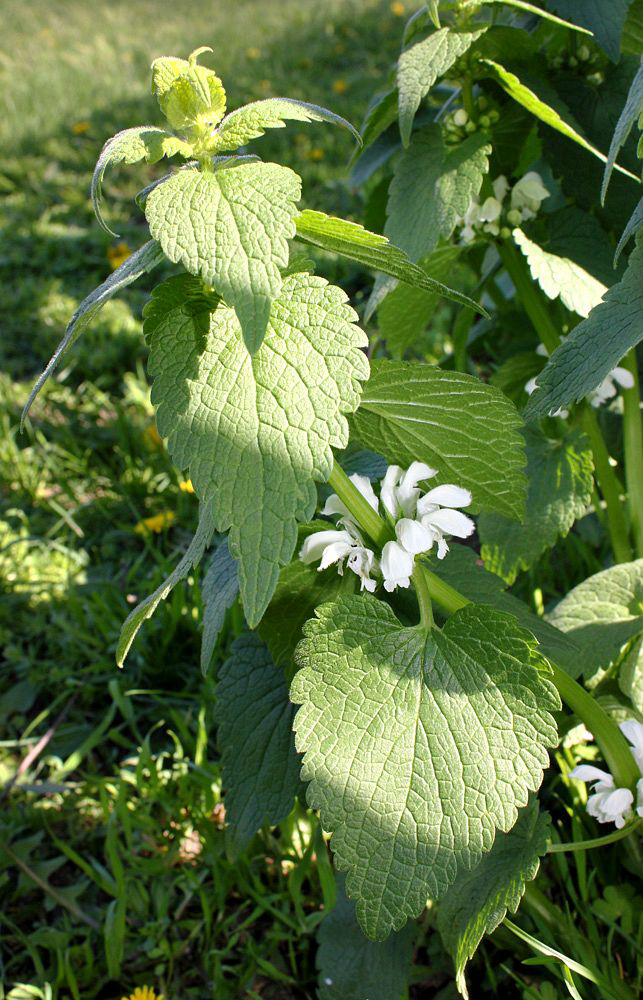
(192, 58)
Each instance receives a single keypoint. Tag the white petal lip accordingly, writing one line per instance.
(334, 552)
(316, 544)
(633, 731)
(587, 772)
(453, 522)
(334, 505)
(413, 536)
(416, 472)
(624, 378)
(363, 484)
(387, 492)
(396, 565)
(447, 495)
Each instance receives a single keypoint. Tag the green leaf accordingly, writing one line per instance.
(432, 187)
(465, 429)
(260, 764)
(595, 346)
(560, 277)
(571, 232)
(372, 250)
(418, 746)
(479, 900)
(145, 142)
(140, 262)
(422, 64)
(145, 609)
(219, 589)
(540, 109)
(633, 108)
(604, 18)
(379, 117)
(632, 37)
(255, 431)
(464, 570)
(350, 966)
(560, 478)
(634, 224)
(630, 678)
(252, 120)
(530, 8)
(405, 312)
(300, 590)
(190, 96)
(603, 613)
(232, 227)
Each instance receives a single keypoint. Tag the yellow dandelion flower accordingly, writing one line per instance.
(144, 993)
(118, 255)
(253, 53)
(186, 486)
(157, 523)
(264, 85)
(340, 86)
(398, 9)
(79, 128)
(316, 153)
(340, 48)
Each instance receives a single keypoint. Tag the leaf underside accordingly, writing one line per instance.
(255, 431)
(560, 277)
(465, 429)
(219, 591)
(230, 226)
(260, 765)
(417, 747)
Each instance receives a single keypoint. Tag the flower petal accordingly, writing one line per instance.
(315, 545)
(363, 484)
(416, 472)
(445, 496)
(396, 565)
(334, 552)
(387, 491)
(334, 505)
(413, 536)
(624, 378)
(453, 522)
(587, 772)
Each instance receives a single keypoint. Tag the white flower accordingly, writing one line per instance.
(606, 803)
(500, 187)
(399, 493)
(527, 194)
(397, 566)
(335, 506)
(607, 390)
(336, 547)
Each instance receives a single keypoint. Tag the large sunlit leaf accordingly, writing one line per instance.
(252, 120)
(420, 65)
(595, 346)
(255, 431)
(479, 900)
(560, 481)
(137, 264)
(465, 429)
(260, 764)
(231, 226)
(417, 747)
(560, 277)
(146, 608)
(603, 613)
(350, 966)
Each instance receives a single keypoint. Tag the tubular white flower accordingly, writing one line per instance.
(334, 505)
(396, 566)
(633, 732)
(339, 547)
(490, 210)
(400, 492)
(316, 544)
(414, 536)
(500, 187)
(607, 803)
(528, 194)
(607, 389)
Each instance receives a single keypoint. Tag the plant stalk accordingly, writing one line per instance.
(369, 520)
(424, 598)
(633, 444)
(609, 486)
(588, 845)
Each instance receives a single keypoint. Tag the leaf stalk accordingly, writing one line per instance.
(633, 445)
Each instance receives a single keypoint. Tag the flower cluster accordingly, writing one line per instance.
(421, 520)
(495, 215)
(606, 390)
(607, 803)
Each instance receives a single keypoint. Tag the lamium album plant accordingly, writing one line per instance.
(370, 486)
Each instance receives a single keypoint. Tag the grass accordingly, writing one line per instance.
(115, 870)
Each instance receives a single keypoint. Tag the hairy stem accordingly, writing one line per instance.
(369, 520)
(424, 598)
(608, 485)
(633, 442)
(588, 845)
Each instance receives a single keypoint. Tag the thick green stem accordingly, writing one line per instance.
(424, 598)
(369, 520)
(608, 736)
(609, 486)
(588, 845)
(633, 442)
(529, 295)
